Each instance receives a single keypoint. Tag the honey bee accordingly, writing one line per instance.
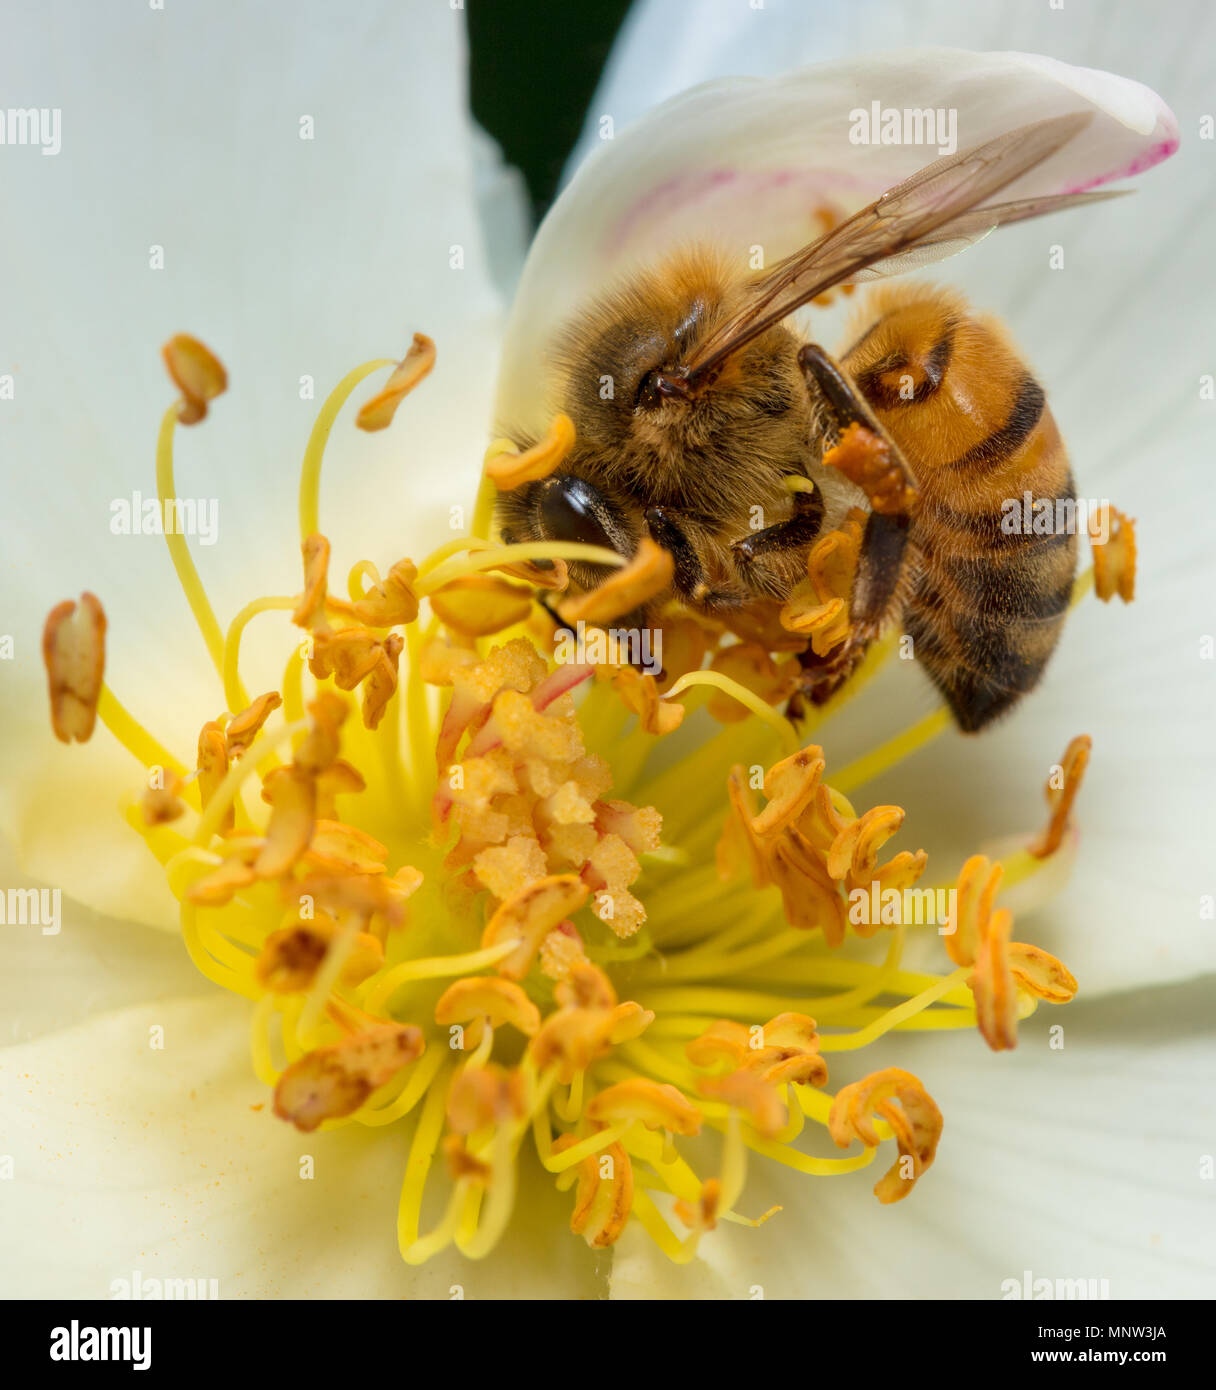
(716, 404)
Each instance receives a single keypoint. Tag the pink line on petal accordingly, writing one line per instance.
(684, 190)
(1153, 155)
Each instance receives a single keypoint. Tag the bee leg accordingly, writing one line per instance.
(883, 575)
(665, 531)
(827, 379)
(688, 577)
(795, 533)
(876, 466)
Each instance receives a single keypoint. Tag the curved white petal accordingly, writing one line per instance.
(128, 1158)
(292, 258)
(744, 162)
(1084, 1162)
(666, 46)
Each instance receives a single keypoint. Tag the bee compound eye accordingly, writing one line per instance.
(571, 509)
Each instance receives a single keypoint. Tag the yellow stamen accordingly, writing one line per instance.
(345, 901)
(377, 413)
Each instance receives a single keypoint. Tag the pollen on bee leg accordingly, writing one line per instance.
(335, 1080)
(916, 1124)
(74, 652)
(648, 574)
(508, 470)
(1115, 557)
(197, 373)
(865, 458)
(1062, 788)
(377, 413)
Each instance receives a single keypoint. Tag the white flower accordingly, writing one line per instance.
(161, 1163)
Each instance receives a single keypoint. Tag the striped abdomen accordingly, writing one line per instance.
(988, 601)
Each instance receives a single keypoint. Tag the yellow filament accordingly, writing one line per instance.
(487, 492)
(432, 968)
(444, 552)
(514, 554)
(179, 551)
(417, 1167)
(234, 689)
(678, 1251)
(135, 738)
(310, 469)
(894, 1018)
(422, 1074)
(720, 681)
(894, 751)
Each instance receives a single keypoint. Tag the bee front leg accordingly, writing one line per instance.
(688, 573)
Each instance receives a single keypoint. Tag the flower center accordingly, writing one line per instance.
(519, 899)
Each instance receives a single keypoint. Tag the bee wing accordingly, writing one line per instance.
(926, 218)
(740, 162)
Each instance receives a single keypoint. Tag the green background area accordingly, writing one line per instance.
(534, 65)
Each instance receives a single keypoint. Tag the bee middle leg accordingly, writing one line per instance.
(754, 553)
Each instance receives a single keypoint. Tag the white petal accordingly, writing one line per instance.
(128, 1158)
(291, 258)
(1079, 1163)
(60, 969)
(743, 162)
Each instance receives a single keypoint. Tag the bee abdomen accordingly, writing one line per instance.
(985, 623)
